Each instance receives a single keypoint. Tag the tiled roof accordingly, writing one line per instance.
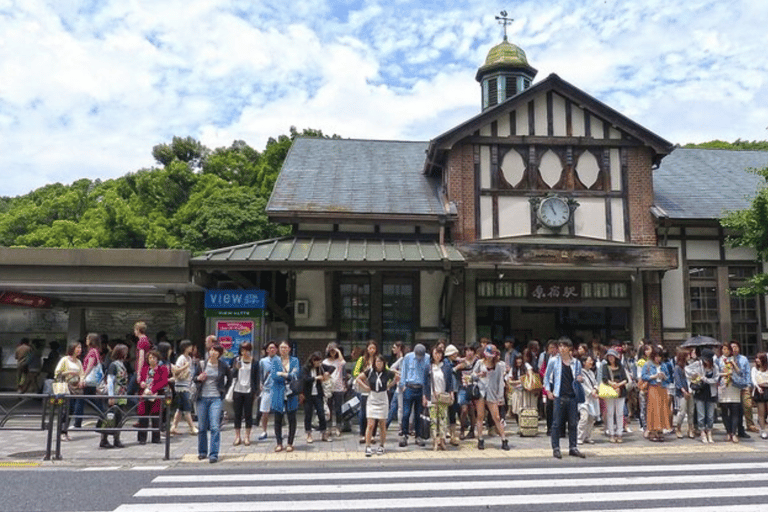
(344, 251)
(355, 177)
(704, 183)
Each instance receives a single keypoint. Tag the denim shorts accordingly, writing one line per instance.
(183, 401)
(462, 397)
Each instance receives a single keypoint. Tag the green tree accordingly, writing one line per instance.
(197, 199)
(220, 214)
(737, 145)
(750, 229)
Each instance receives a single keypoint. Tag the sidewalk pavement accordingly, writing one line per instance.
(27, 448)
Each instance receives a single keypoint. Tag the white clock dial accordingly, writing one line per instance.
(554, 212)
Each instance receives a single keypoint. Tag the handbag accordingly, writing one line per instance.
(294, 386)
(605, 391)
(95, 376)
(531, 382)
(60, 388)
(473, 392)
(444, 398)
(230, 396)
(578, 391)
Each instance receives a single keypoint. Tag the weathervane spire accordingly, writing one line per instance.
(503, 20)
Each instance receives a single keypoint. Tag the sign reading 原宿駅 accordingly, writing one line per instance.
(553, 291)
(235, 299)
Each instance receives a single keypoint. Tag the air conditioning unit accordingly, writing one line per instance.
(301, 309)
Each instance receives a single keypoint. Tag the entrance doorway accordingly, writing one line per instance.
(580, 324)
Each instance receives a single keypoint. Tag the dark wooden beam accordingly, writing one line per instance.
(553, 141)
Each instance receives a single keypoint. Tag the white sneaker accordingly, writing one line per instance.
(263, 436)
(368, 451)
(628, 430)
(380, 450)
(764, 434)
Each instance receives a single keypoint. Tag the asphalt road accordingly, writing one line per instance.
(689, 484)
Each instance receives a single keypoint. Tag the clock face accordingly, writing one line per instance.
(554, 212)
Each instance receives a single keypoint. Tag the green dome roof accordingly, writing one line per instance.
(504, 55)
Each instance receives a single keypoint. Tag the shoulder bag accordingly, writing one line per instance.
(605, 391)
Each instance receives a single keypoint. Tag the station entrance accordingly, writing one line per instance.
(541, 322)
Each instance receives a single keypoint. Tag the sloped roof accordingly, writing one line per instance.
(325, 251)
(352, 176)
(704, 183)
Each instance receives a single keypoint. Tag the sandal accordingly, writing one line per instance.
(247, 442)
(237, 442)
(279, 448)
(289, 448)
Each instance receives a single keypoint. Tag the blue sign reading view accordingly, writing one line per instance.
(235, 299)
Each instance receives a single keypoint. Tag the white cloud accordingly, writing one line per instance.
(87, 88)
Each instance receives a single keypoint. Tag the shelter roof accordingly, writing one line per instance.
(329, 251)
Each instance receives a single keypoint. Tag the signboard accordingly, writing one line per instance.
(233, 333)
(22, 299)
(554, 291)
(235, 299)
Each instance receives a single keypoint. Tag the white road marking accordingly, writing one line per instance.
(148, 468)
(454, 473)
(473, 502)
(448, 485)
(102, 468)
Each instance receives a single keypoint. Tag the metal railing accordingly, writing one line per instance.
(53, 413)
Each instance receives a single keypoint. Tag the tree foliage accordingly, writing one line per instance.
(750, 229)
(196, 199)
(737, 145)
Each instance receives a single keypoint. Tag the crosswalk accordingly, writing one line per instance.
(716, 487)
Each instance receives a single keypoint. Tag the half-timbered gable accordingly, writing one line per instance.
(551, 139)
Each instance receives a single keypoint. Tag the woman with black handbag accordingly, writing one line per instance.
(286, 387)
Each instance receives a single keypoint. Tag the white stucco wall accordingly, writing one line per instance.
(703, 250)
(486, 217)
(310, 286)
(521, 120)
(589, 218)
(577, 121)
(617, 220)
(615, 169)
(673, 294)
(558, 116)
(431, 288)
(485, 167)
(514, 216)
(502, 125)
(540, 109)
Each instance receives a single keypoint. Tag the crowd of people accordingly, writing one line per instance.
(444, 393)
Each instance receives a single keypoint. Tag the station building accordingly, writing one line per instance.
(549, 213)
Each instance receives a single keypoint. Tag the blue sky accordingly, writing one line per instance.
(88, 87)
